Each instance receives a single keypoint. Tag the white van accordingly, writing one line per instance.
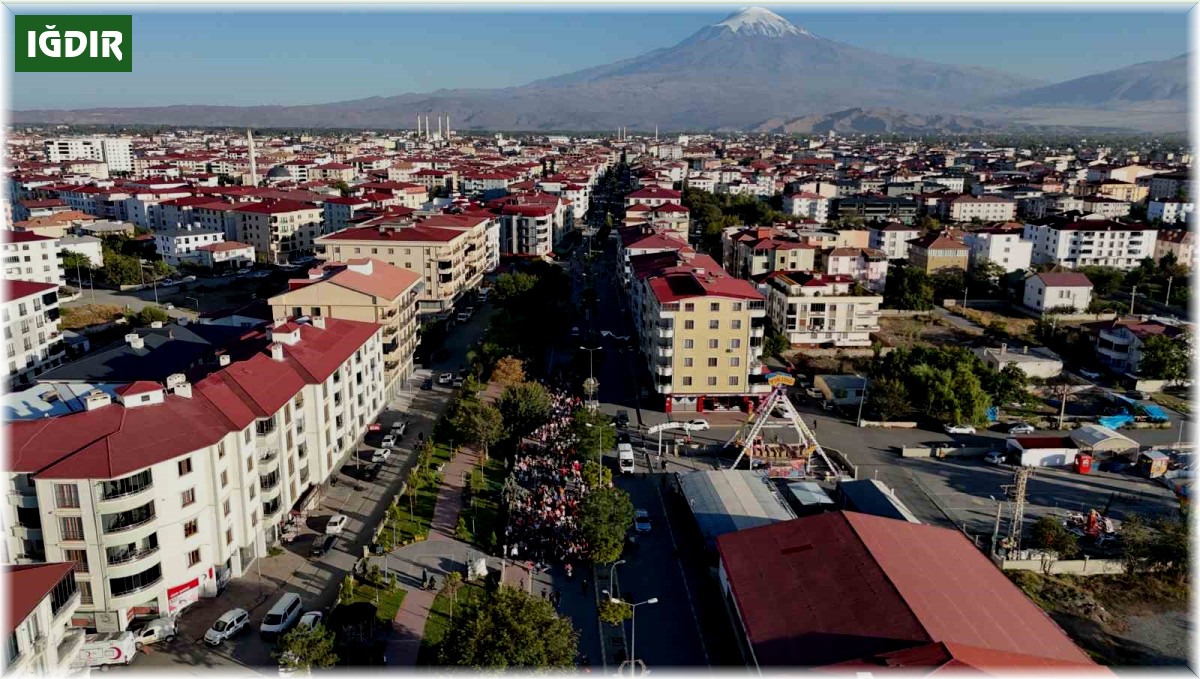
(283, 614)
(109, 648)
(625, 458)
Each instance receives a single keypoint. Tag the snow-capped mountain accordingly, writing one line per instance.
(750, 67)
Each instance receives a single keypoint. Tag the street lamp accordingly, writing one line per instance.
(610, 571)
(591, 364)
(197, 301)
(599, 436)
(633, 624)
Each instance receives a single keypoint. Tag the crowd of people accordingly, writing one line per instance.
(543, 525)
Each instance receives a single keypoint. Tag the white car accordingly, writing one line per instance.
(381, 455)
(310, 619)
(959, 429)
(698, 425)
(1021, 428)
(641, 521)
(389, 441)
(337, 523)
(230, 623)
(994, 457)
(159, 629)
(445, 378)
(399, 428)
(813, 392)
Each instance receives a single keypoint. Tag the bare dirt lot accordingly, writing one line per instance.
(921, 330)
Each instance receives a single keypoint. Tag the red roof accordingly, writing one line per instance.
(844, 586)
(14, 290)
(271, 207)
(399, 233)
(225, 246)
(27, 585)
(655, 192)
(8, 236)
(139, 387)
(1065, 280)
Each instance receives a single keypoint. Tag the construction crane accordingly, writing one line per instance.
(778, 399)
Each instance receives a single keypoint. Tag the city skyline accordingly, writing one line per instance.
(458, 49)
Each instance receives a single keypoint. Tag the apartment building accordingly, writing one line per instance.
(1100, 242)
(983, 208)
(876, 209)
(1119, 342)
(667, 218)
(32, 341)
(1172, 185)
(182, 244)
(116, 152)
(1179, 242)
(1170, 211)
(892, 238)
(368, 290)
(1063, 291)
(450, 260)
(30, 257)
(807, 205)
(41, 640)
(752, 252)
(935, 252)
(160, 494)
(821, 309)
(653, 197)
(866, 266)
(90, 247)
(1105, 207)
(1002, 245)
(338, 211)
(279, 230)
(225, 255)
(700, 331)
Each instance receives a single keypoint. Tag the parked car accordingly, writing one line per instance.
(458, 381)
(1090, 374)
(381, 455)
(230, 623)
(310, 619)
(399, 427)
(159, 629)
(322, 545)
(1021, 428)
(445, 378)
(371, 473)
(283, 614)
(641, 521)
(698, 424)
(389, 441)
(994, 457)
(958, 428)
(622, 418)
(813, 392)
(108, 648)
(337, 523)
(427, 384)
(462, 317)
(623, 437)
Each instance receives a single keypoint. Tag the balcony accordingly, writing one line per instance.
(22, 500)
(268, 482)
(135, 589)
(67, 652)
(125, 493)
(757, 332)
(122, 522)
(27, 532)
(665, 333)
(663, 369)
(665, 351)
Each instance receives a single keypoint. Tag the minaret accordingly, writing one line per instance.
(447, 126)
(656, 134)
(253, 164)
(426, 127)
(439, 127)
(418, 126)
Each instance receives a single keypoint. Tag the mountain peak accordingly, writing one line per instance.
(761, 22)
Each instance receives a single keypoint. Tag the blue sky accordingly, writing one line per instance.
(294, 58)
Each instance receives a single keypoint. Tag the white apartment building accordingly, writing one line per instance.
(279, 229)
(1003, 246)
(821, 310)
(1047, 291)
(807, 205)
(41, 641)
(653, 197)
(117, 152)
(983, 208)
(1119, 342)
(89, 247)
(30, 257)
(864, 265)
(892, 238)
(338, 211)
(1090, 242)
(32, 342)
(180, 245)
(1170, 211)
(162, 494)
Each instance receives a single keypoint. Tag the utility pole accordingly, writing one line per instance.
(1014, 528)
(996, 528)
(1170, 280)
(1132, 296)
(862, 399)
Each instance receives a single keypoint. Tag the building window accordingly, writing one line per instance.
(191, 528)
(714, 324)
(687, 362)
(688, 306)
(714, 306)
(224, 479)
(66, 496)
(228, 536)
(737, 324)
(71, 527)
(185, 466)
(225, 508)
(316, 311)
(79, 556)
(220, 450)
(712, 362)
(250, 464)
(193, 557)
(189, 496)
(735, 361)
(733, 381)
(712, 343)
(735, 344)
(688, 344)
(689, 325)
(687, 381)
(712, 381)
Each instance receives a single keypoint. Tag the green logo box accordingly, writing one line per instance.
(73, 43)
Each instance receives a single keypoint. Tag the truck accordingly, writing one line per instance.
(108, 648)
(625, 458)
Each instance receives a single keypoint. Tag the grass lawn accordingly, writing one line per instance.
(488, 507)
(386, 601)
(438, 622)
(407, 527)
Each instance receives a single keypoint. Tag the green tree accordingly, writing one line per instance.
(908, 287)
(776, 344)
(1165, 358)
(951, 284)
(614, 612)
(479, 423)
(524, 407)
(342, 187)
(887, 399)
(509, 286)
(1007, 385)
(594, 432)
(1169, 551)
(306, 648)
(1105, 279)
(508, 628)
(74, 261)
(605, 516)
(1050, 534)
(596, 474)
(152, 314)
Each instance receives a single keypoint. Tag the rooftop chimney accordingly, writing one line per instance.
(277, 351)
(184, 390)
(318, 322)
(96, 399)
(223, 360)
(175, 380)
(1003, 349)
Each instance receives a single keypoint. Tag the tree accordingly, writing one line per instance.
(508, 371)
(596, 474)
(594, 431)
(1050, 534)
(524, 407)
(479, 423)
(776, 344)
(950, 284)
(605, 516)
(509, 286)
(1170, 552)
(74, 261)
(342, 187)
(888, 399)
(152, 314)
(1008, 385)
(306, 648)
(509, 628)
(1105, 279)
(908, 287)
(614, 612)
(1165, 358)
